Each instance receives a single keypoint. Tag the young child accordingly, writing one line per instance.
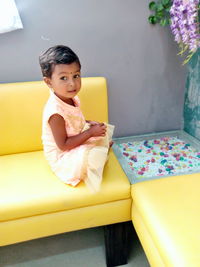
(76, 149)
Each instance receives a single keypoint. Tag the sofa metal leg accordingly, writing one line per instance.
(117, 243)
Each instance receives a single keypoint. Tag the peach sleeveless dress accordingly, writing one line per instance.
(85, 162)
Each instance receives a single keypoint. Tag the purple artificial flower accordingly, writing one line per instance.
(185, 25)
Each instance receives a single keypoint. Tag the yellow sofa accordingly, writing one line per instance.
(166, 216)
(34, 203)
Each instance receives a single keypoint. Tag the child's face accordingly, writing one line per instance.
(65, 81)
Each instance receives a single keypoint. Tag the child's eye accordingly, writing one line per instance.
(64, 78)
(77, 76)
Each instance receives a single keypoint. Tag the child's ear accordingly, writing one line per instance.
(47, 81)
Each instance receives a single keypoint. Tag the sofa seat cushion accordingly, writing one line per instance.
(169, 208)
(28, 187)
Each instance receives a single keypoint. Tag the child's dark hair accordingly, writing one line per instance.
(55, 55)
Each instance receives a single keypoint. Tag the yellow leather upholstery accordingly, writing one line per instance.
(33, 201)
(21, 111)
(28, 187)
(27, 228)
(166, 215)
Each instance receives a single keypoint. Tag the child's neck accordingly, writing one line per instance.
(68, 101)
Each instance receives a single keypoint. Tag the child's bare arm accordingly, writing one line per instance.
(57, 125)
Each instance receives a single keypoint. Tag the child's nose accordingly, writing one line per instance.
(71, 83)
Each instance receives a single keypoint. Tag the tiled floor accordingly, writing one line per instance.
(84, 248)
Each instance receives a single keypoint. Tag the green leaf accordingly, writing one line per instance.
(168, 9)
(165, 2)
(159, 14)
(168, 21)
(152, 19)
(159, 7)
(184, 49)
(152, 5)
(163, 22)
(188, 58)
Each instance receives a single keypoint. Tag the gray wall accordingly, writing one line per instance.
(113, 39)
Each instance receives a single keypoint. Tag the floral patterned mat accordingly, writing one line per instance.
(159, 157)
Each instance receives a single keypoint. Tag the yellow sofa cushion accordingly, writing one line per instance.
(21, 106)
(28, 187)
(169, 208)
(28, 228)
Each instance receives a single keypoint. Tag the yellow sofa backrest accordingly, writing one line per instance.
(21, 106)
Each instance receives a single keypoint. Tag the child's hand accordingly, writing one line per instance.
(92, 122)
(98, 130)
